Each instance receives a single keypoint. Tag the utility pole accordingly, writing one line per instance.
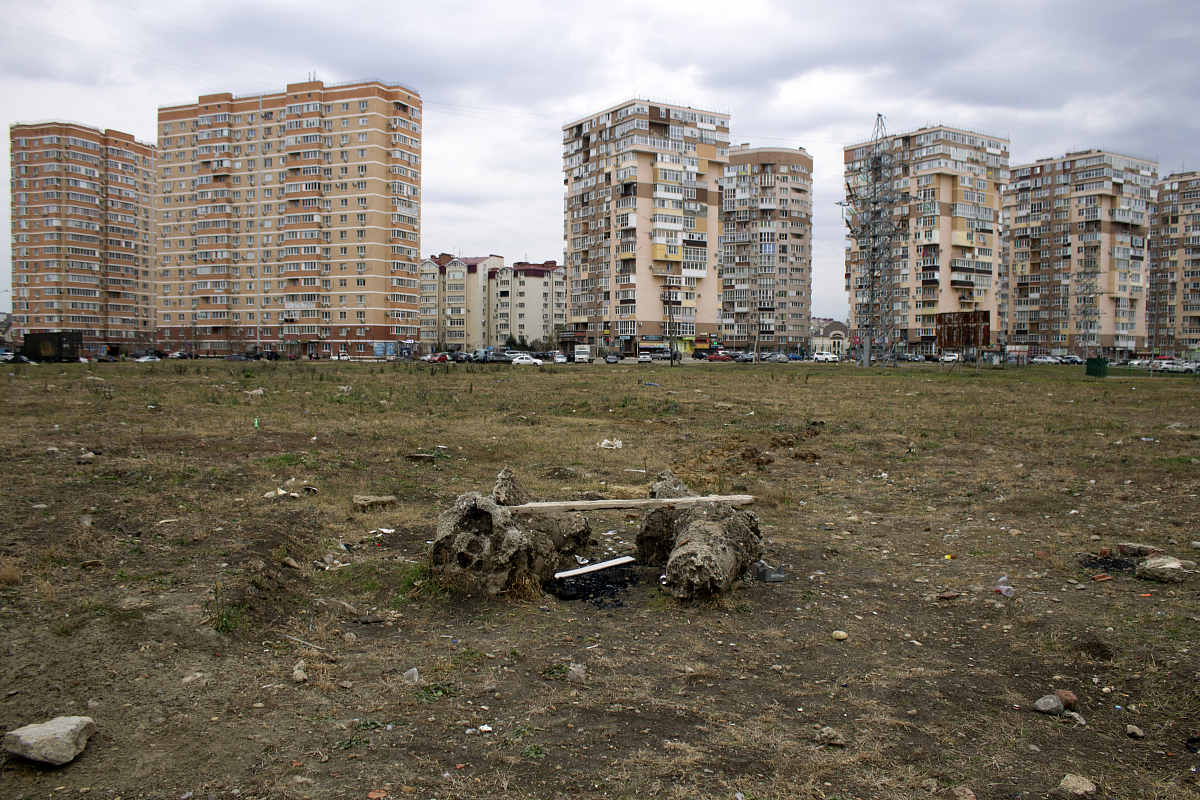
(871, 197)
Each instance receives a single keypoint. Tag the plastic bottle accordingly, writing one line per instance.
(1003, 587)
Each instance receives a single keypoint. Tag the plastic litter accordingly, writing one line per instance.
(1003, 587)
(611, 444)
(765, 572)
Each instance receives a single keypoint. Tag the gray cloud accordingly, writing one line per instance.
(500, 78)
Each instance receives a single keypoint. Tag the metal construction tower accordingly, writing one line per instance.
(871, 194)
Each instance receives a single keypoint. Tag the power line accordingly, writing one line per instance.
(131, 55)
(127, 44)
(205, 38)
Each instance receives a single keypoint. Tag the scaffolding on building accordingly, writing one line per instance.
(871, 196)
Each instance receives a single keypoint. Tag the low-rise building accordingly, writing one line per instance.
(527, 302)
(828, 336)
(454, 301)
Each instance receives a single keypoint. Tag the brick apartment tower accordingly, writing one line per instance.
(83, 250)
(1082, 211)
(641, 222)
(949, 260)
(290, 220)
(1173, 305)
(766, 249)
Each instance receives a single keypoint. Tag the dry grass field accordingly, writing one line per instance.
(146, 585)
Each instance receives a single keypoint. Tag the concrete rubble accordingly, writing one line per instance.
(484, 544)
(706, 548)
(55, 742)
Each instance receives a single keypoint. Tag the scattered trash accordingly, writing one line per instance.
(767, 573)
(1076, 718)
(1193, 744)
(412, 677)
(611, 444)
(1161, 568)
(648, 383)
(1003, 587)
(581, 561)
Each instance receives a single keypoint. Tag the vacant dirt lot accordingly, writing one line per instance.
(146, 585)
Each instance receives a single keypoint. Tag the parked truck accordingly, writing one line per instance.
(61, 346)
(585, 353)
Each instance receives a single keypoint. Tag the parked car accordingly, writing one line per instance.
(825, 356)
(1070, 359)
(745, 358)
(560, 358)
(526, 360)
(1179, 365)
(719, 357)
(949, 358)
(644, 358)
(150, 359)
(795, 357)
(909, 357)
(777, 358)
(17, 358)
(1043, 360)
(612, 358)
(461, 357)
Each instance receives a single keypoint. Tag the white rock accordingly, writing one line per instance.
(840, 635)
(1161, 568)
(54, 742)
(1076, 786)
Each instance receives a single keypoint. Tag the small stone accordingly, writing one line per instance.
(1067, 698)
(930, 785)
(366, 502)
(349, 638)
(1196, 545)
(1094, 538)
(962, 793)
(840, 636)
(55, 742)
(1049, 705)
(1015, 532)
(298, 673)
(258, 705)
(1033, 748)
(831, 737)
(346, 685)
(912, 712)
(1076, 786)
(1074, 717)
(1135, 732)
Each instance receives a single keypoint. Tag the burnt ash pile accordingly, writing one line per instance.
(1107, 563)
(605, 588)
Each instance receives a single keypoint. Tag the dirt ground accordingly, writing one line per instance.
(146, 586)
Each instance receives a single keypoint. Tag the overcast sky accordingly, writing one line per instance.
(499, 79)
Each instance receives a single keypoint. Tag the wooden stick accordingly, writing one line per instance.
(645, 502)
(616, 562)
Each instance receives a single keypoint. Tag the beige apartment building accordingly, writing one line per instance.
(454, 302)
(82, 244)
(766, 249)
(640, 223)
(527, 302)
(948, 261)
(290, 220)
(1076, 262)
(1173, 302)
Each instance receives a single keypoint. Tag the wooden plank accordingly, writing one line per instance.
(616, 562)
(645, 502)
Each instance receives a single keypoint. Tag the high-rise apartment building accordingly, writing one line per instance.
(766, 248)
(1076, 264)
(1173, 302)
(454, 302)
(527, 301)
(947, 262)
(290, 220)
(82, 245)
(641, 213)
